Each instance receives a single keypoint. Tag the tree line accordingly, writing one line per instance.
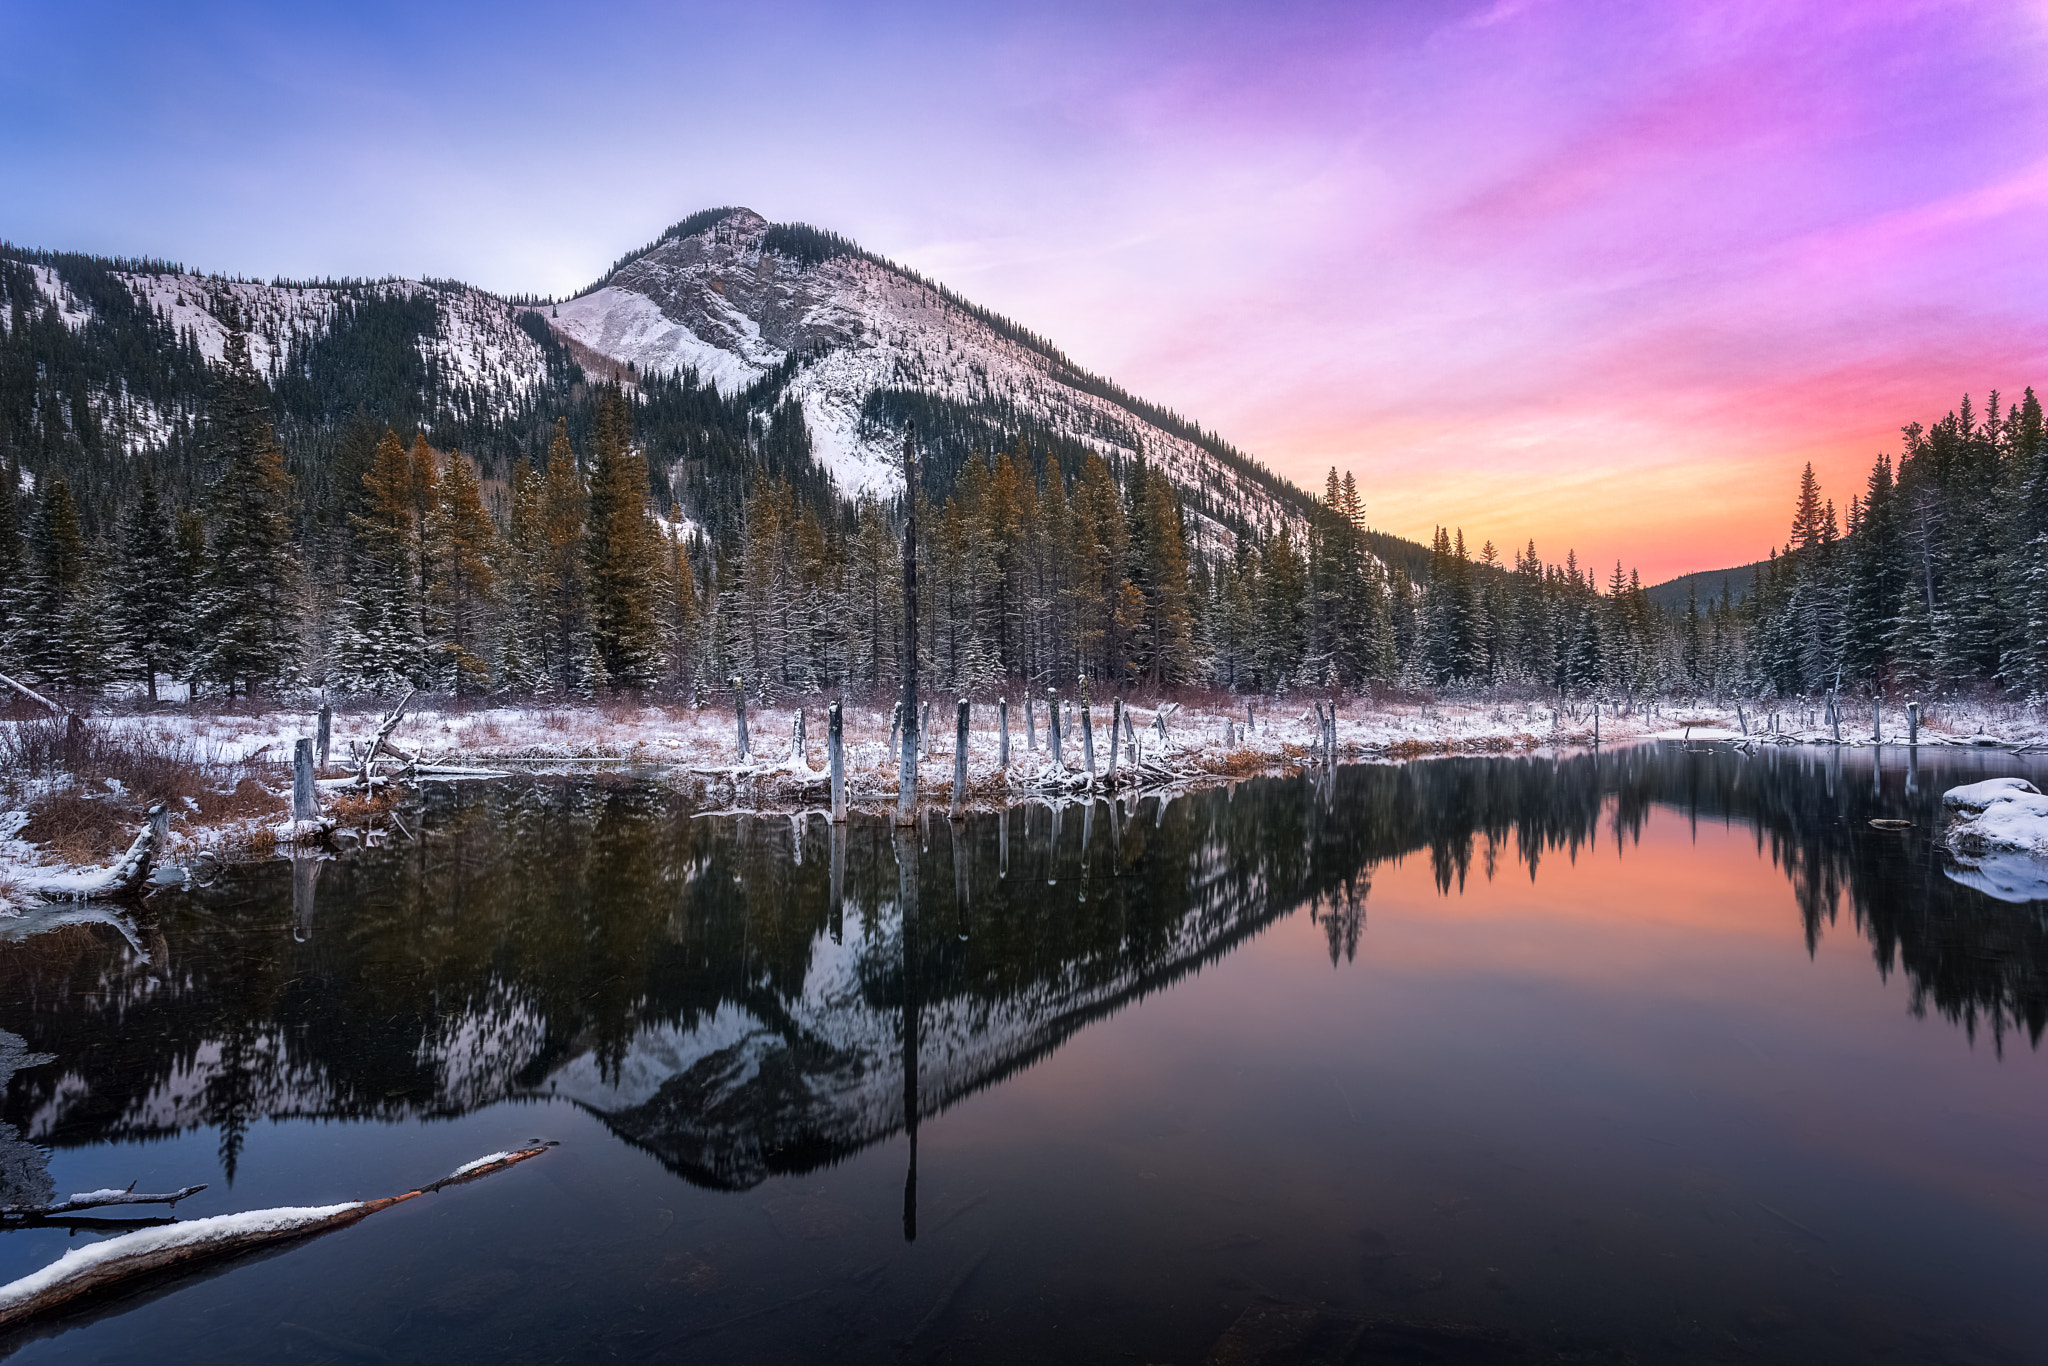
(576, 573)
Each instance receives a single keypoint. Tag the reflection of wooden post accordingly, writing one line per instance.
(837, 918)
(305, 804)
(326, 733)
(1052, 847)
(1003, 728)
(835, 756)
(305, 878)
(906, 901)
(960, 761)
(1003, 843)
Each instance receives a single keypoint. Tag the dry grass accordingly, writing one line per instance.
(94, 784)
(80, 828)
(351, 807)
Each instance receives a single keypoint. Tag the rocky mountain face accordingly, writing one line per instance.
(739, 297)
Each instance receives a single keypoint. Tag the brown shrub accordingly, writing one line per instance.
(360, 806)
(80, 828)
(249, 798)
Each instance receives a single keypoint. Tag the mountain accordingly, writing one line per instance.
(864, 343)
(753, 349)
(1710, 584)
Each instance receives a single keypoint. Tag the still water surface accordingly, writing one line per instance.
(1661, 1056)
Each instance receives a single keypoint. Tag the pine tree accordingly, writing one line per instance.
(56, 637)
(464, 590)
(249, 629)
(384, 647)
(153, 589)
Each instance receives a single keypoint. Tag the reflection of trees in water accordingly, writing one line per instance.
(533, 924)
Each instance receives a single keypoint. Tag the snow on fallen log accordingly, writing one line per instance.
(106, 1267)
(99, 1199)
(123, 878)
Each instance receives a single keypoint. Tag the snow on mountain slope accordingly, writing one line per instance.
(483, 356)
(723, 301)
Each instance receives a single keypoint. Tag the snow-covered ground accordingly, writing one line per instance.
(1203, 741)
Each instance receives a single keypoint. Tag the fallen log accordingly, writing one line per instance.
(123, 878)
(118, 1263)
(98, 1200)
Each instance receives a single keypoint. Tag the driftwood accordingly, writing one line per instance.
(123, 878)
(116, 1264)
(26, 691)
(384, 729)
(97, 1200)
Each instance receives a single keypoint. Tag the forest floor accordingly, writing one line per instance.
(226, 775)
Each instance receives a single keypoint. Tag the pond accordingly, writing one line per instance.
(1664, 1054)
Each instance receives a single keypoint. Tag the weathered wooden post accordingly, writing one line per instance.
(835, 756)
(1052, 727)
(1250, 725)
(906, 778)
(1030, 723)
(1596, 720)
(1131, 736)
(1877, 718)
(1835, 716)
(924, 733)
(1912, 723)
(960, 762)
(1002, 732)
(305, 801)
(1742, 720)
(1116, 721)
(1087, 734)
(739, 704)
(326, 733)
(895, 725)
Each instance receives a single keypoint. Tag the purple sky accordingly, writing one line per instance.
(1600, 274)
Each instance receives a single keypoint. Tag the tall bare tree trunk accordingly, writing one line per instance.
(906, 777)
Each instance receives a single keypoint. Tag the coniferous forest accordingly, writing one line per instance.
(339, 523)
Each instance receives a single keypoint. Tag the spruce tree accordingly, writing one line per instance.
(249, 627)
(621, 552)
(464, 591)
(152, 597)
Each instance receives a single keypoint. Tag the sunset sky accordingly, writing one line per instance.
(1599, 274)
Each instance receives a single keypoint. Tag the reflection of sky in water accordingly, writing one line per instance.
(1732, 1073)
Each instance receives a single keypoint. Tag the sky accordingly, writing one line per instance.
(1603, 275)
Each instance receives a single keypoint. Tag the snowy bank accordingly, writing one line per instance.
(1998, 833)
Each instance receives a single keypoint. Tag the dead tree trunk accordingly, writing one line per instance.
(739, 705)
(1052, 727)
(1002, 732)
(906, 777)
(325, 735)
(1030, 724)
(835, 752)
(960, 761)
(305, 804)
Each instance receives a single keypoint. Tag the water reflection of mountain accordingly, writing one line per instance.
(735, 993)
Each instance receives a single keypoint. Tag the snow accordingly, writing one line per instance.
(468, 1167)
(104, 1193)
(1993, 824)
(194, 1234)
